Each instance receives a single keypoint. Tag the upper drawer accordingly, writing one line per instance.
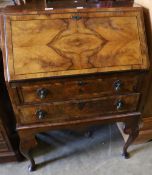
(74, 43)
(78, 88)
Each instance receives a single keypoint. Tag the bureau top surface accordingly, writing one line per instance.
(73, 42)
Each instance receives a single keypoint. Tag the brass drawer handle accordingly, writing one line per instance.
(42, 93)
(118, 85)
(119, 104)
(41, 114)
(76, 17)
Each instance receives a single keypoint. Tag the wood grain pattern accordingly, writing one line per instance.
(3, 145)
(58, 45)
(81, 109)
(41, 47)
(85, 87)
(145, 133)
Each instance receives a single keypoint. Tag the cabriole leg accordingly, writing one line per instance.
(26, 145)
(131, 128)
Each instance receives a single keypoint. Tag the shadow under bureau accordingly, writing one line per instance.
(71, 67)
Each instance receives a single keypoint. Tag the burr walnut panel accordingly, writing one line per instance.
(75, 43)
(63, 69)
(78, 109)
(77, 88)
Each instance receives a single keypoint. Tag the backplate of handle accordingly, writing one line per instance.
(119, 104)
(118, 85)
(41, 114)
(42, 93)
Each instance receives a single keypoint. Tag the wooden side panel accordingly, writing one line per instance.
(64, 45)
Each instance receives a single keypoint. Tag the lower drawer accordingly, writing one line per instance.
(3, 144)
(73, 110)
(3, 147)
(1, 136)
(1, 133)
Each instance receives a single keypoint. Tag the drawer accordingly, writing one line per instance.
(79, 109)
(3, 146)
(77, 88)
(75, 43)
(1, 136)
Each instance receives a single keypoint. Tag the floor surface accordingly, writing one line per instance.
(66, 153)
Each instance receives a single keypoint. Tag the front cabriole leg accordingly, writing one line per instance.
(27, 143)
(131, 128)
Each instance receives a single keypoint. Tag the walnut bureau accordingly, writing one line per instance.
(71, 67)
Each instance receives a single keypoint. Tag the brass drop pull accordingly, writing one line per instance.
(77, 17)
(81, 105)
(41, 114)
(118, 85)
(42, 93)
(119, 104)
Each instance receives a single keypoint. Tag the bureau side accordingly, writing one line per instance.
(9, 150)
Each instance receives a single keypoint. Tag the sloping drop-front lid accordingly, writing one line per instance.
(39, 46)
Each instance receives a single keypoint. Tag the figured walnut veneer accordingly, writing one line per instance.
(77, 88)
(79, 110)
(63, 69)
(74, 43)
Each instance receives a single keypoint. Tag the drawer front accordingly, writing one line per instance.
(3, 144)
(1, 136)
(78, 88)
(3, 147)
(78, 109)
(1, 133)
(75, 43)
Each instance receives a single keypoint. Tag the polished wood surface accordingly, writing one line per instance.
(77, 88)
(146, 129)
(3, 142)
(66, 45)
(74, 110)
(66, 68)
(145, 133)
